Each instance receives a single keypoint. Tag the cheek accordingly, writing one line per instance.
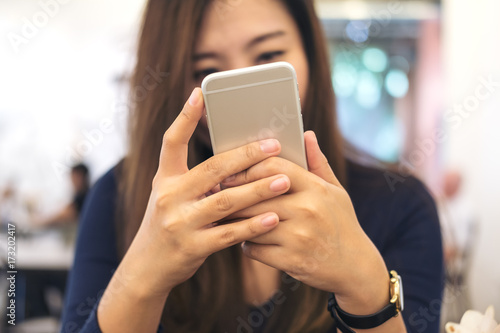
(298, 59)
(303, 86)
(302, 70)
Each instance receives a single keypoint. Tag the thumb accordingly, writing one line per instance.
(317, 161)
(174, 150)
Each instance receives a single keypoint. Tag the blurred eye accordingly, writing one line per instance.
(269, 56)
(200, 75)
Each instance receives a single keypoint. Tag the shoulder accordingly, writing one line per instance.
(399, 215)
(107, 183)
(103, 192)
(98, 212)
(387, 203)
(370, 180)
(96, 256)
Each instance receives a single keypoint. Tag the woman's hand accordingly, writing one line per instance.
(319, 240)
(179, 230)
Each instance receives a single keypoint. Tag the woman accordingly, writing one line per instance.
(170, 264)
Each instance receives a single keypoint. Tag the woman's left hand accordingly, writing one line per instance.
(319, 240)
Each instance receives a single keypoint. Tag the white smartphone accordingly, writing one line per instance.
(255, 103)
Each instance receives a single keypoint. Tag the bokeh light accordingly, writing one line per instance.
(368, 91)
(358, 31)
(387, 143)
(344, 78)
(396, 83)
(375, 59)
(399, 62)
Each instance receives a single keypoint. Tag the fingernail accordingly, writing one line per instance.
(269, 146)
(279, 184)
(195, 96)
(269, 221)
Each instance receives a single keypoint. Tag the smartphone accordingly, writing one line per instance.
(255, 103)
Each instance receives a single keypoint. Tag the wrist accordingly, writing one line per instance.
(132, 283)
(367, 289)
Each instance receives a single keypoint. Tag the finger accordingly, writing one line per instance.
(223, 236)
(269, 254)
(280, 258)
(317, 161)
(277, 204)
(215, 189)
(223, 203)
(271, 166)
(208, 174)
(277, 236)
(173, 156)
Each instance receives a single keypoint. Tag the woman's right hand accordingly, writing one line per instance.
(179, 230)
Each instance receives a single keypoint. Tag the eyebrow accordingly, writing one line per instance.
(252, 43)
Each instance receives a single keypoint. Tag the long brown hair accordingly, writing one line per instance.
(212, 300)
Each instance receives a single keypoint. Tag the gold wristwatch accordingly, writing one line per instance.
(345, 321)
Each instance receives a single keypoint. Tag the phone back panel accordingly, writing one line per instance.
(255, 103)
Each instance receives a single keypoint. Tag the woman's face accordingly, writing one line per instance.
(242, 33)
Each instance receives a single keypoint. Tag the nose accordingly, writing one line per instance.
(239, 62)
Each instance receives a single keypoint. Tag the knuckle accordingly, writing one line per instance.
(167, 138)
(186, 114)
(323, 188)
(307, 211)
(262, 191)
(222, 202)
(172, 227)
(253, 229)
(161, 202)
(249, 151)
(228, 236)
(274, 164)
(304, 237)
(251, 251)
(245, 175)
(213, 167)
(155, 182)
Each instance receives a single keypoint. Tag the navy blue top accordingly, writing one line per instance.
(396, 212)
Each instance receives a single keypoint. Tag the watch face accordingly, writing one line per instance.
(401, 294)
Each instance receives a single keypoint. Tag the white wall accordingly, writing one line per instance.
(58, 63)
(472, 53)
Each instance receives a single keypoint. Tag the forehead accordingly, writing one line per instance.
(235, 22)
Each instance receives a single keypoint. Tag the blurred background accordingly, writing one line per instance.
(417, 83)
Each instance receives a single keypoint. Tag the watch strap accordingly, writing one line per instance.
(346, 320)
(339, 323)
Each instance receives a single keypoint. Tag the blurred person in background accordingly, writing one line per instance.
(15, 208)
(459, 229)
(7, 204)
(154, 241)
(80, 182)
(45, 288)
